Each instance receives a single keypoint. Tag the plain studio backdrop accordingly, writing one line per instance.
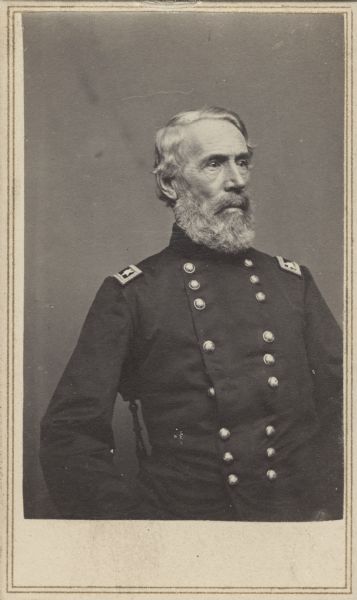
(97, 87)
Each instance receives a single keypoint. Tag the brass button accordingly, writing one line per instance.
(269, 359)
(270, 452)
(199, 303)
(248, 262)
(189, 267)
(270, 430)
(260, 296)
(273, 382)
(211, 392)
(232, 479)
(228, 457)
(254, 279)
(224, 433)
(271, 474)
(209, 346)
(268, 337)
(194, 284)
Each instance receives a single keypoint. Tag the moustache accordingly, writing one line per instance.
(240, 201)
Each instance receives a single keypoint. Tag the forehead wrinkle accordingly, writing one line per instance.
(224, 139)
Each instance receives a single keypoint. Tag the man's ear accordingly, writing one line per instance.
(169, 187)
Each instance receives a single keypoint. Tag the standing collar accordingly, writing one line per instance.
(182, 244)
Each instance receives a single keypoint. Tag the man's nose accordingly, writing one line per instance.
(235, 177)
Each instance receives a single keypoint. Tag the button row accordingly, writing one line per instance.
(233, 480)
(189, 267)
(269, 359)
(200, 304)
(229, 458)
(194, 285)
(209, 346)
(268, 336)
(225, 434)
(254, 279)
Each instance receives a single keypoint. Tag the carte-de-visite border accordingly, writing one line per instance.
(13, 9)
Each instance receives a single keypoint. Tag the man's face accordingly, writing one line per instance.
(216, 167)
(211, 203)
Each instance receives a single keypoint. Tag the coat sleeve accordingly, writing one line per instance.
(324, 349)
(76, 435)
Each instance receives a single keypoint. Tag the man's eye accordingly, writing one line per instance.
(213, 164)
(243, 163)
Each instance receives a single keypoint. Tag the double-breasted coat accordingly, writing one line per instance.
(236, 360)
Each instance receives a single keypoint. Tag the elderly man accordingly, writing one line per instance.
(233, 354)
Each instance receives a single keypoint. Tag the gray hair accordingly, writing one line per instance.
(169, 138)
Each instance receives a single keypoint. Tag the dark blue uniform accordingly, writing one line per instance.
(236, 360)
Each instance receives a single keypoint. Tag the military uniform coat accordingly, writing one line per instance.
(236, 360)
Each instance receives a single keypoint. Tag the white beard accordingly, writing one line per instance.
(229, 232)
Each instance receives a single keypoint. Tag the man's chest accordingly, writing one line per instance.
(227, 315)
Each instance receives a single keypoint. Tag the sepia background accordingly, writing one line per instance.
(97, 87)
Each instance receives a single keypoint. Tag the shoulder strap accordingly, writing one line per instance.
(128, 274)
(289, 265)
